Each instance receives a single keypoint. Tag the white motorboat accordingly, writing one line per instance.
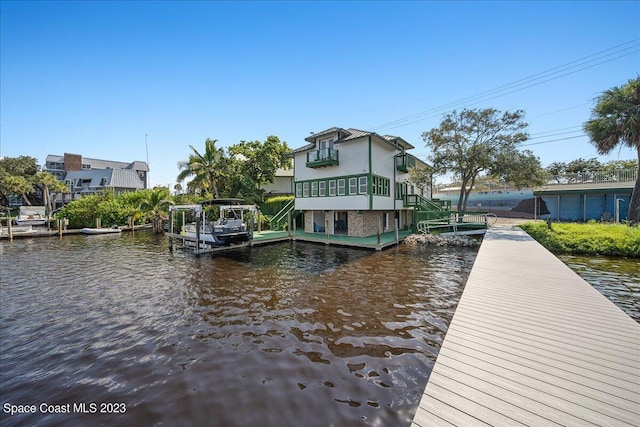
(31, 216)
(113, 230)
(231, 228)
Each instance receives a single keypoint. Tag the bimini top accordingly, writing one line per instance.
(229, 201)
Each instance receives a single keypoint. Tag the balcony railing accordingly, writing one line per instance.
(323, 157)
(404, 162)
(600, 177)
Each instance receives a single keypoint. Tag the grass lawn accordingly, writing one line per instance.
(590, 238)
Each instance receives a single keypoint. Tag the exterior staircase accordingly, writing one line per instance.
(281, 216)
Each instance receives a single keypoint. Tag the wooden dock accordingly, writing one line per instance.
(532, 343)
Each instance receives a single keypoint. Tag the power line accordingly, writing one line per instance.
(516, 90)
(551, 140)
(620, 50)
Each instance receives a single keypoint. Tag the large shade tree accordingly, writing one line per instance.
(15, 176)
(207, 169)
(615, 121)
(471, 142)
(254, 164)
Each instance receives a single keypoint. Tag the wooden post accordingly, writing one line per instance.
(289, 223)
(170, 231)
(379, 229)
(197, 250)
(397, 236)
(59, 228)
(9, 226)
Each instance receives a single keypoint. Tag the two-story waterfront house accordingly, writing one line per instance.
(354, 182)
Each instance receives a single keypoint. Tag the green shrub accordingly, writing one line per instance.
(590, 238)
(273, 205)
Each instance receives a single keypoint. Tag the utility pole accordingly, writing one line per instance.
(147, 148)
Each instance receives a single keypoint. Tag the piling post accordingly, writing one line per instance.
(326, 228)
(9, 227)
(379, 230)
(197, 249)
(289, 223)
(170, 230)
(397, 236)
(59, 222)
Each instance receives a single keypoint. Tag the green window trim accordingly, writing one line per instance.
(348, 185)
(353, 186)
(363, 184)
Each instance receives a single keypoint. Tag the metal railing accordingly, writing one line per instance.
(455, 221)
(322, 155)
(405, 162)
(599, 177)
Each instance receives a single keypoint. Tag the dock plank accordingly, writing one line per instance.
(533, 343)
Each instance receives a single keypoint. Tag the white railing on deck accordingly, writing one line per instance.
(600, 177)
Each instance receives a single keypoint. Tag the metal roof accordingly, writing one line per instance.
(100, 178)
(102, 164)
(351, 134)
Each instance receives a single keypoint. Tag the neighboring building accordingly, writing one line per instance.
(354, 182)
(282, 184)
(585, 196)
(89, 176)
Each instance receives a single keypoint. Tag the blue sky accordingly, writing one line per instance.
(93, 78)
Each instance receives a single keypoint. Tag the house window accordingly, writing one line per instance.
(380, 187)
(386, 188)
(353, 185)
(341, 188)
(314, 189)
(298, 189)
(363, 184)
(305, 189)
(326, 143)
(332, 187)
(374, 187)
(323, 188)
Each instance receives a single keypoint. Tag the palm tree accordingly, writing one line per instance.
(16, 184)
(615, 120)
(207, 169)
(58, 187)
(45, 181)
(157, 202)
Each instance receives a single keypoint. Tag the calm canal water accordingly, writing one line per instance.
(283, 335)
(616, 278)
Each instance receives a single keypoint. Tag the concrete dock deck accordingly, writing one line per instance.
(532, 343)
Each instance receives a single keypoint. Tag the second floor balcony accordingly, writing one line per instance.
(323, 157)
(404, 162)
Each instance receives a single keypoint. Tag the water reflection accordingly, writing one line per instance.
(289, 334)
(616, 278)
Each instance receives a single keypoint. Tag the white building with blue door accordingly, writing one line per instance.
(601, 195)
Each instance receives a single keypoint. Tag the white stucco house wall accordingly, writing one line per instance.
(282, 184)
(354, 182)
